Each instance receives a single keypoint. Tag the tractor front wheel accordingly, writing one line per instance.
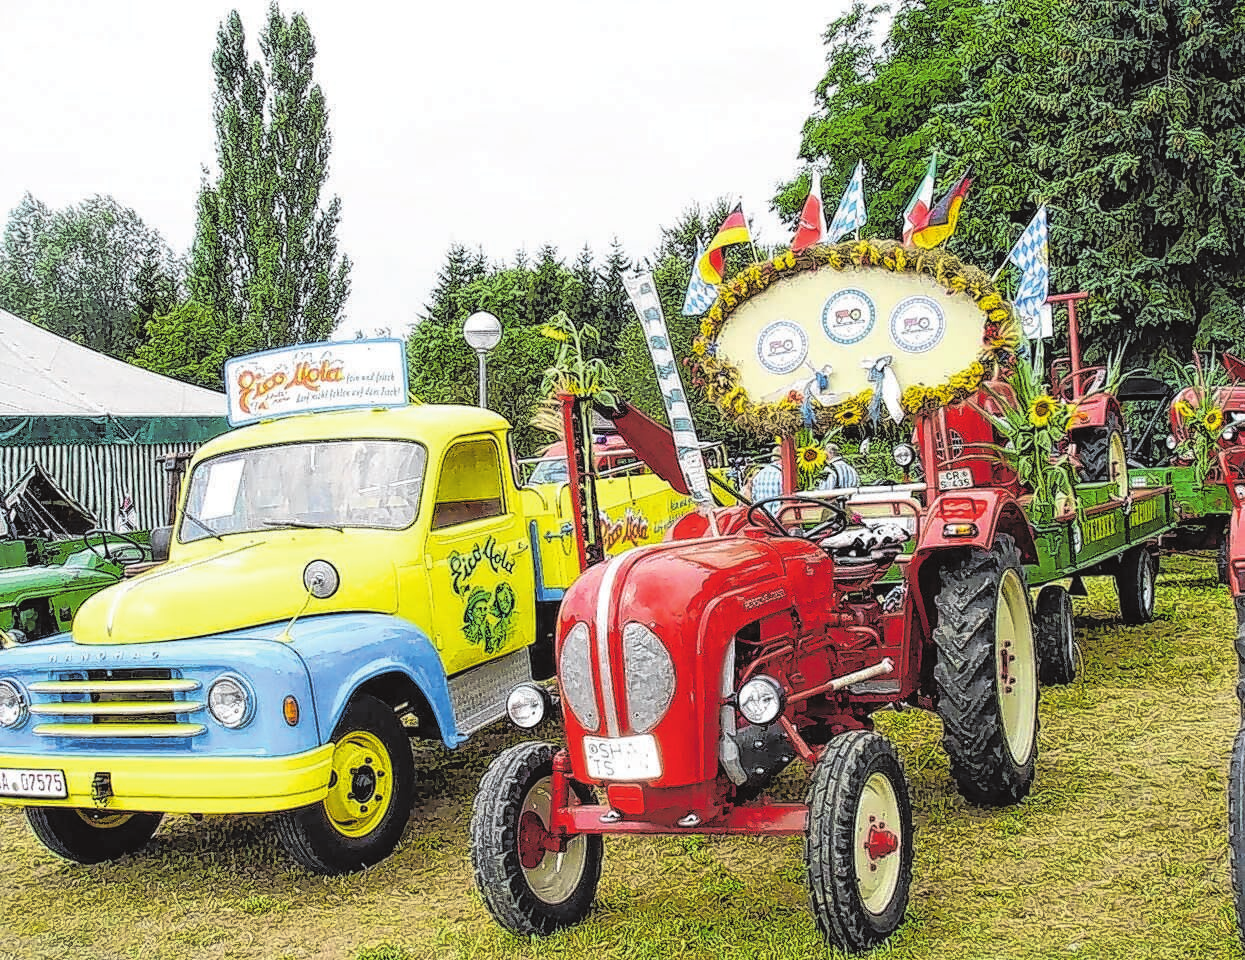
(986, 674)
(1134, 583)
(1054, 634)
(91, 836)
(858, 845)
(371, 794)
(530, 882)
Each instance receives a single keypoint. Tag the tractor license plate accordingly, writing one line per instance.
(958, 479)
(622, 758)
(46, 784)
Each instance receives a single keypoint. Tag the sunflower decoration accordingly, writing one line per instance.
(1199, 416)
(572, 371)
(811, 459)
(1184, 409)
(1213, 420)
(1041, 409)
(997, 356)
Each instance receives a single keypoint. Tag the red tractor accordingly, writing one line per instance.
(694, 671)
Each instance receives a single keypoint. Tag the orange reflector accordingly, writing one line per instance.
(290, 709)
(959, 529)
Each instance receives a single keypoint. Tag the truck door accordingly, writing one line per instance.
(479, 559)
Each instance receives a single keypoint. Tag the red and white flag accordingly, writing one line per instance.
(916, 214)
(812, 225)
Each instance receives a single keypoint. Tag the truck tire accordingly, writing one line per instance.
(371, 794)
(91, 836)
(858, 845)
(1055, 636)
(985, 674)
(1134, 582)
(1102, 453)
(526, 887)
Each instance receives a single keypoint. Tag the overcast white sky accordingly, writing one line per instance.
(500, 124)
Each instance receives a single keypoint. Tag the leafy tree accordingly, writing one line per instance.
(93, 272)
(187, 343)
(265, 263)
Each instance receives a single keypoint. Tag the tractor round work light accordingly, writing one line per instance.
(321, 580)
(230, 702)
(12, 704)
(904, 455)
(527, 705)
(761, 700)
(1170, 442)
(1229, 433)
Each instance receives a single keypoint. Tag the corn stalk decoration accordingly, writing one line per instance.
(573, 372)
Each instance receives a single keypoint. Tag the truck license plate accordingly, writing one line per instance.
(48, 784)
(622, 758)
(958, 479)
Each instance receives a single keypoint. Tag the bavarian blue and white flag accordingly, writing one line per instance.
(700, 294)
(1031, 254)
(850, 216)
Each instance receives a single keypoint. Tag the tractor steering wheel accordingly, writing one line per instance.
(105, 542)
(836, 523)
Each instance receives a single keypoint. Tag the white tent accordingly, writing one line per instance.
(96, 424)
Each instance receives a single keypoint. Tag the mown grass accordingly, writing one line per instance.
(1119, 852)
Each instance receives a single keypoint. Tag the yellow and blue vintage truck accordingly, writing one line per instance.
(337, 582)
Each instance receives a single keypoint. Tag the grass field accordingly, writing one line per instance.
(1119, 852)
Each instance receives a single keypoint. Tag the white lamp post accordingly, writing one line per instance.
(482, 331)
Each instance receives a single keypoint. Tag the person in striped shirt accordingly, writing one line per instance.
(839, 474)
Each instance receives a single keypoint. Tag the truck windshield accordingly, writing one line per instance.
(329, 483)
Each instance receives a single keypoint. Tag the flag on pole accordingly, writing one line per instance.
(916, 213)
(734, 229)
(942, 219)
(851, 213)
(700, 295)
(812, 226)
(1031, 254)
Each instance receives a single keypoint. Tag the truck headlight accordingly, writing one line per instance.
(575, 675)
(230, 702)
(904, 455)
(761, 700)
(650, 676)
(12, 705)
(527, 705)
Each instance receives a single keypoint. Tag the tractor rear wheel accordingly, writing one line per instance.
(91, 836)
(858, 845)
(1221, 559)
(528, 885)
(1236, 827)
(1054, 634)
(986, 674)
(1134, 582)
(1102, 453)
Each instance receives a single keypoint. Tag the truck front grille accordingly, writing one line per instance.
(107, 704)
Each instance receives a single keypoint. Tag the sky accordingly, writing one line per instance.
(495, 124)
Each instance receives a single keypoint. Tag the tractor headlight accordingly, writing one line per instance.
(650, 676)
(12, 705)
(904, 455)
(575, 676)
(1170, 442)
(761, 700)
(527, 705)
(230, 702)
(1229, 433)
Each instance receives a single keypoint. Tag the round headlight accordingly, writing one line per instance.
(904, 455)
(650, 676)
(321, 580)
(12, 704)
(229, 701)
(527, 705)
(575, 676)
(761, 700)
(1228, 433)
(1171, 442)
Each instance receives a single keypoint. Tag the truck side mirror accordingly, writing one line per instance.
(160, 539)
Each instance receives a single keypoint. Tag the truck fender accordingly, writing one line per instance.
(988, 511)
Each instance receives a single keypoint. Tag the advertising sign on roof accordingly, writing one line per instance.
(312, 377)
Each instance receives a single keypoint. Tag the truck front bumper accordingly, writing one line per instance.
(155, 784)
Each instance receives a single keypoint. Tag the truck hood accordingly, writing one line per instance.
(243, 584)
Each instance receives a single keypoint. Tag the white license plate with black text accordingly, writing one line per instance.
(622, 758)
(958, 479)
(45, 784)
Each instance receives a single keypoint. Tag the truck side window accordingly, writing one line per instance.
(470, 484)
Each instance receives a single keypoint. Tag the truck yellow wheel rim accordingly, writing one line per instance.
(1016, 666)
(361, 785)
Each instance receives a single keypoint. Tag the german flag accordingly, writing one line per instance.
(734, 229)
(941, 223)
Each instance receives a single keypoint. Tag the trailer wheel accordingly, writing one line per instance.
(858, 845)
(1134, 582)
(986, 676)
(527, 886)
(91, 836)
(1054, 634)
(371, 793)
(1102, 453)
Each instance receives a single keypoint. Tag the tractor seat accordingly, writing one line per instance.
(862, 553)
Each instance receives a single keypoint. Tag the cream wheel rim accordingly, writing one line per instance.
(879, 844)
(1015, 666)
(554, 875)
